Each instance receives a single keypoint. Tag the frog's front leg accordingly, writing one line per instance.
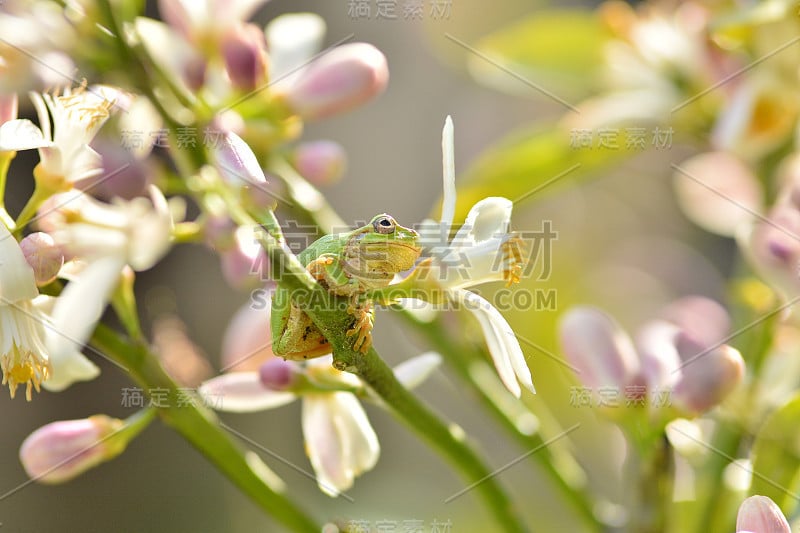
(327, 270)
(362, 328)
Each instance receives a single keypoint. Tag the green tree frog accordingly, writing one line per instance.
(345, 264)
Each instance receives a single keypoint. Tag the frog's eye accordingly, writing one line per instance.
(384, 225)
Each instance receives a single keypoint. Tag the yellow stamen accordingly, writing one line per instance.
(513, 256)
(23, 367)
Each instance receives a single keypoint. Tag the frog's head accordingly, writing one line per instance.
(383, 247)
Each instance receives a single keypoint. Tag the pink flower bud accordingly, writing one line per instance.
(701, 318)
(277, 374)
(8, 107)
(707, 376)
(320, 162)
(245, 265)
(124, 175)
(759, 514)
(343, 78)
(62, 450)
(247, 341)
(774, 248)
(43, 255)
(600, 350)
(236, 162)
(244, 50)
(194, 72)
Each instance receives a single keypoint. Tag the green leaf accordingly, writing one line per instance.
(776, 456)
(529, 164)
(559, 50)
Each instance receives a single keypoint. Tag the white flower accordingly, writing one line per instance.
(37, 43)
(23, 356)
(198, 20)
(339, 439)
(35, 349)
(481, 251)
(77, 115)
(138, 232)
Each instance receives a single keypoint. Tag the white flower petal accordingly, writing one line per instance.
(141, 117)
(503, 345)
(241, 392)
(361, 448)
(80, 306)
(67, 367)
(660, 359)
(718, 192)
(230, 12)
(292, 40)
(21, 134)
(157, 37)
(324, 445)
(448, 173)
(17, 281)
(417, 369)
(152, 232)
(488, 219)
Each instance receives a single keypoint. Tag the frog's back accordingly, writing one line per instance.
(332, 244)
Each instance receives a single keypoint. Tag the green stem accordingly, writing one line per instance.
(123, 300)
(38, 197)
(725, 442)
(371, 368)
(462, 357)
(5, 163)
(200, 427)
(132, 427)
(333, 322)
(654, 470)
(307, 196)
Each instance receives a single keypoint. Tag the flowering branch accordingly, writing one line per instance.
(200, 427)
(375, 373)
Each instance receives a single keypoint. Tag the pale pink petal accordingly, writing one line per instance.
(241, 392)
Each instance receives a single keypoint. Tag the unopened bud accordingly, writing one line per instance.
(774, 248)
(320, 162)
(701, 318)
(601, 351)
(124, 175)
(63, 450)
(236, 162)
(277, 374)
(759, 514)
(245, 265)
(43, 255)
(247, 341)
(343, 78)
(244, 50)
(708, 375)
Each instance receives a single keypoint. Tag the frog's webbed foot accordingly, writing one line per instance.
(362, 328)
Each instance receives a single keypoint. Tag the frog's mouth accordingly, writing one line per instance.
(373, 245)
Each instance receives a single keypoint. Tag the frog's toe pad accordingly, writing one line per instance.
(362, 330)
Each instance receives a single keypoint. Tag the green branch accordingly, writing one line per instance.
(200, 427)
(326, 310)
